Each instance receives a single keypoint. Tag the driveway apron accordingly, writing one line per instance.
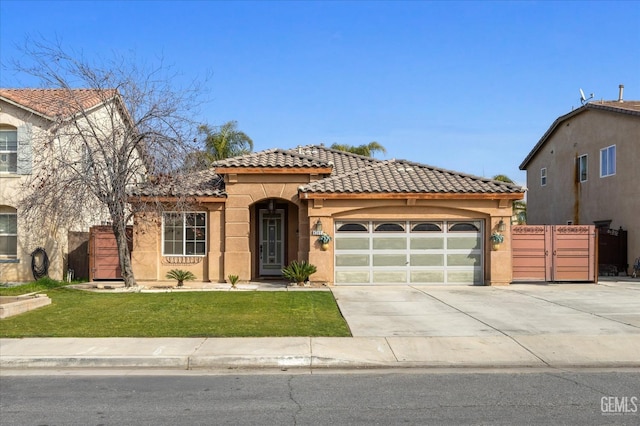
(389, 311)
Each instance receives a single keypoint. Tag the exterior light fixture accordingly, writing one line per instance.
(319, 226)
(502, 226)
(271, 207)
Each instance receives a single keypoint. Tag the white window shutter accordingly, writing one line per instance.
(25, 150)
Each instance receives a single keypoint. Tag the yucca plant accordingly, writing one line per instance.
(299, 272)
(180, 275)
(233, 279)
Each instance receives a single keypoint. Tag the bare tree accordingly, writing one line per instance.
(136, 125)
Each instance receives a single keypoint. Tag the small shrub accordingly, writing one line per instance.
(180, 275)
(299, 272)
(233, 279)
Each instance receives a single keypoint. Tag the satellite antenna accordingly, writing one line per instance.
(584, 99)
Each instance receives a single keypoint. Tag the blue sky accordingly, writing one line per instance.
(467, 86)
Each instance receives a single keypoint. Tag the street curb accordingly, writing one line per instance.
(268, 363)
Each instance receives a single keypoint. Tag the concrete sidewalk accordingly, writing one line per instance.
(558, 326)
(323, 352)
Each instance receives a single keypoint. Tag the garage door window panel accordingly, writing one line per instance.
(427, 259)
(352, 243)
(352, 260)
(463, 260)
(464, 227)
(464, 243)
(352, 227)
(353, 277)
(426, 227)
(427, 276)
(389, 227)
(427, 243)
(390, 243)
(391, 277)
(389, 260)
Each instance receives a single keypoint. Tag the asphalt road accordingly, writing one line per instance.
(417, 397)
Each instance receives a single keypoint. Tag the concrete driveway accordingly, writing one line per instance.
(515, 310)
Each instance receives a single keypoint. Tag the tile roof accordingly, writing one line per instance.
(205, 183)
(406, 177)
(351, 174)
(625, 107)
(57, 102)
(271, 158)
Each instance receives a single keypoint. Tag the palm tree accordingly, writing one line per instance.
(367, 150)
(225, 141)
(519, 206)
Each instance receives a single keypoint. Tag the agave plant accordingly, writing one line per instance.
(180, 275)
(299, 272)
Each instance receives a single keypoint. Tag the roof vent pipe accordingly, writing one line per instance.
(620, 93)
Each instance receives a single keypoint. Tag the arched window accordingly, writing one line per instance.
(426, 227)
(464, 227)
(351, 227)
(389, 227)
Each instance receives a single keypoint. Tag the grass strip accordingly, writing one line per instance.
(77, 313)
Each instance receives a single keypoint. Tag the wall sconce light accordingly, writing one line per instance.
(319, 226)
(271, 207)
(502, 226)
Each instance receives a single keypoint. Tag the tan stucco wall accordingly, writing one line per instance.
(615, 198)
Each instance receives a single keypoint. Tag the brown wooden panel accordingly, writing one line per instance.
(104, 263)
(574, 253)
(530, 257)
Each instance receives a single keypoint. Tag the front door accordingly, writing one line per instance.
(271, 242)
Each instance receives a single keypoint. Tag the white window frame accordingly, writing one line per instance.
(543, 176)
(5, 233)
(184, 234)
(607, 164)
(583, 169)
(6, 152)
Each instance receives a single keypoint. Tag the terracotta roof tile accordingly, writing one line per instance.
(272, 158)
(205, 183)
(400, 176)
(57, 102)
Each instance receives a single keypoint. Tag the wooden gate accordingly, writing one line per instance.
(612, 251)
(103, 253)
(554, 252)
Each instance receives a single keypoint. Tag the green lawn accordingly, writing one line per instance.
(77, 313)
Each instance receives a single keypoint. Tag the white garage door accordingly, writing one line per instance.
(408, 252)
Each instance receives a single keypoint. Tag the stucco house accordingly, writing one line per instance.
(31, 119)
(585, 170)
(390, 221)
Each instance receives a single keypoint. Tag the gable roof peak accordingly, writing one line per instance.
(58, 102)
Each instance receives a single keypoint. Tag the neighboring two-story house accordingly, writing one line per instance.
(29, 119)
(585, 170)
